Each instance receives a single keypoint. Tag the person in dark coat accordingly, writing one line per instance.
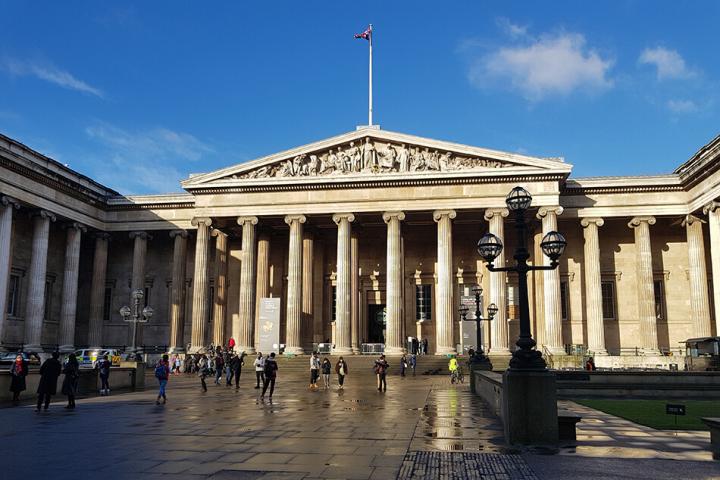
(271, 369)
(70, 382)
(49, 373)
(18, 372)
(236, 365)
(103, 367)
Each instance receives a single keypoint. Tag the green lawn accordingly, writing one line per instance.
(651, 413)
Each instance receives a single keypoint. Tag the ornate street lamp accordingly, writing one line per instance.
(491, 311)
(135, 315)
(553, 244)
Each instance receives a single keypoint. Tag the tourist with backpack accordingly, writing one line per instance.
(270, 372)
(162, 373)
(103, 367)
(381, 366)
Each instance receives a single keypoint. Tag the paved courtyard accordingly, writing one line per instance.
(421, 428)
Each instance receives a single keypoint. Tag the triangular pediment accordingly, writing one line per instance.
(370, 153)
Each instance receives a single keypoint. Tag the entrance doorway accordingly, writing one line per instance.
(377, 320)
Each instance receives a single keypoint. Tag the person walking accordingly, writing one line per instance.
(341, 369)
(227, 360)
(203, 370)
(49, 373)
(413, 363)
(259, 364)
(236, 365)
(381, 366)
(425, 346)
(70, 382)
(162, 373)
(403, 365)
(314, 370)
(177, 365)
(326, 369)
(219, 367)
(103, 367)
(270, 371)
(18, 372)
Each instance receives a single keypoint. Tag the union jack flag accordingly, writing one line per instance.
(366, 34)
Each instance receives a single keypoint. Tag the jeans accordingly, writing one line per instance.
(341, 380)
(218, 375)
(104, 385)
(314, 374)
(202, 381)
(382, 382)
(43, 398)
(228, 375)
(237, 373)
(259, 377)
(271, 382)
(163, 384)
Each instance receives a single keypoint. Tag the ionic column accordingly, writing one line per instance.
(551, 288)
(6, 207)
(395, 262)
(308, 247)
(645, 286)
(444, 305)
(243, 329)
(499, 340)
(135, 330)
(177, 291)
(343, 285)
(200, 284)
(699, 301)
(593, 286)
(262, 285)
(97, 290)
(68, 307)
(354, 292)
(293, 342)
(219, 302)
(35, 305)
(712, 210)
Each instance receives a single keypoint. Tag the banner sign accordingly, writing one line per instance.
(269, 325)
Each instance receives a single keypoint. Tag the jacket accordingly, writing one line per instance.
(259, 364)
(72, 375)
(49, 373)
(326, 367)
(271, 368)
(345, 367)
(17, 383)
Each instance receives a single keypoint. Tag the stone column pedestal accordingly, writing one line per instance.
(530, 408)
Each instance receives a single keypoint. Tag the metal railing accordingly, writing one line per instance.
(548, 357)
(372, 348)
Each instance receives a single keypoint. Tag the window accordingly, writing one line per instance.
(608, 299)
(423, 302)
(147, 296)
(659, 287)
(48, 298)
(107, 304)
(564, 306)
(334, 303)
(13, 299)
(211, 303)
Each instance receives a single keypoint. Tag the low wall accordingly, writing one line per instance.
(489, 387)
(579, 384)
(89, 383)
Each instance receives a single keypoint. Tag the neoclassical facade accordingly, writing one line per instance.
(368, 237)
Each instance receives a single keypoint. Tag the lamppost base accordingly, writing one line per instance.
(530, 408)
(529, 360)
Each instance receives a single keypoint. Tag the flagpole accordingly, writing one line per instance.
(370, 120)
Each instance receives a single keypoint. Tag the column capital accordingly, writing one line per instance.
(248, 219)
(197, 221)
(290, 219)
(338, 217)
(587, 221)
(143, 235)
(43, 214)
(439, 214)
(217, 233)
(711, 207)
(178, 233)
(75, 226)
(387, 216)
(545, 211)
(637, 221)
(102, 235)
(690, 219)
(5, 201)
(495, 212)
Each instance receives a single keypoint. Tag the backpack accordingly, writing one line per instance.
(160, 371)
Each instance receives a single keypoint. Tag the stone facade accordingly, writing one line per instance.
(367, 237)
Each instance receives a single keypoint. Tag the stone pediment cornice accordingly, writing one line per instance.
(369, 155)
(638, 184)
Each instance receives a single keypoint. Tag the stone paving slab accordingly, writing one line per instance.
(466, 465)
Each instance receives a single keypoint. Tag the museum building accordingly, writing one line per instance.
(366, 239)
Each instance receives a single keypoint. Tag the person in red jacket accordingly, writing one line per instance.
(231, 344)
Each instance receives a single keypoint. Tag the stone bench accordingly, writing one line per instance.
(567, 423)
(714, 424)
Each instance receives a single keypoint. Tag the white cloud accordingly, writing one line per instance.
(49, 73)
(669, 63)
(550, 65)
(512, 29)
(682, 106)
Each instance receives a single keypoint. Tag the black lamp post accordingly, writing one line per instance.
(526, 357)
(491, 311)
(135, 315)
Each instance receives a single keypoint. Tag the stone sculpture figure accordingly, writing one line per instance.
(432, 160)
(369, 156)
(446, 161)
(403, 159)
(332, 161)
(314, 165)
(388, 159)
(355, 157)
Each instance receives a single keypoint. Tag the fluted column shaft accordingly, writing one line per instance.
(712, 210)
(68, 307)
(137, 282)
(262, 284)
(308, 250)
(35, 306)
(645, 285)
(7, 205)
(97, 290)
(395, 262)
(220, 300)
(444, 305)
(699, 299)
(243, 329)
(293, 343)
(201, 282)
(593, 286)
(499, 341)
(343, 294)
(551, 288)
(354, 293)
(177, 291)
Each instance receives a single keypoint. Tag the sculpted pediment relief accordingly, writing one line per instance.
(372, 157)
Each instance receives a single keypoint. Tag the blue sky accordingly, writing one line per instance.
(139, 95)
